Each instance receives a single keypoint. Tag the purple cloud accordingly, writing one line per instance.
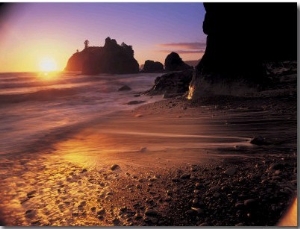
(185, 45)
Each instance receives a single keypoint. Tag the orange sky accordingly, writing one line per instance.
(33, 31)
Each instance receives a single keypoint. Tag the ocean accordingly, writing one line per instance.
(36, 106)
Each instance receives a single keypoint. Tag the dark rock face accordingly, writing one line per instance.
(173, 62)
(243, 36)
(112, 58)
(172, 84)
(151, 66)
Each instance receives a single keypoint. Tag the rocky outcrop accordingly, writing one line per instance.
(173, 62)
(171, 84)
(112, 59)
(241, 37)
(151, 66)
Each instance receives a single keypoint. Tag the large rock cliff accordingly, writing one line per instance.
(112, 58)
(241, 38)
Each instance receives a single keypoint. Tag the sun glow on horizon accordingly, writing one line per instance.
(47, 64)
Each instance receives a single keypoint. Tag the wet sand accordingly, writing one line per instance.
(173, 162)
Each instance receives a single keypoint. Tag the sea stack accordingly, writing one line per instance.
(112, 58)
(241, 38)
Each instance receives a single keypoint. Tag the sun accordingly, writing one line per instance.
(47, 64)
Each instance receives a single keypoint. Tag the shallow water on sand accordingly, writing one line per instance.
(34, 106)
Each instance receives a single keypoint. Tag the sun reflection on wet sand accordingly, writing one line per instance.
(88, 177)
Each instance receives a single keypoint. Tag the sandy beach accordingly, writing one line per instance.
(172, 162)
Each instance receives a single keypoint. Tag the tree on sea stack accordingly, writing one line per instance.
(86, 44)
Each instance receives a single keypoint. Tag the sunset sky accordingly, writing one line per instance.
(31, 32)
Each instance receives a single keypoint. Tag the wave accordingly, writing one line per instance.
(41, 95)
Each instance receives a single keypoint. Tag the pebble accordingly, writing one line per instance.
(185, 176)
(84, 170)
(151, 212)
(230, 171)
(198, 185)
(116, 222)
(114, 167)
(175, 179)
(137, 216)
(195, 202)
(134, 102)
(143, 149)
(196, 191)
(259, 141)
(124, 88)
(30, 213)
(250, 202)
(191, 212)
(239, 205)
(276, 166)
(101, 211)
(216, 194)
(199, 211)
(31, 194)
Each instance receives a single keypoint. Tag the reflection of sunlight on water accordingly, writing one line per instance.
(49, 75)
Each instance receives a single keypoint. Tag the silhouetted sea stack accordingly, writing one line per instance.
(151, 66)
(112, 59)
(242, 37)
(173, 62)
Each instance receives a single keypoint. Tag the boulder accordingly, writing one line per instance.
(173, 83)
(173, 62)
(151, 66)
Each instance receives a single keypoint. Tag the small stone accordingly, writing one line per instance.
(124, 88)
(134, 102)
(216, 194)
(116, 222)
(75, 214)
(123, 209)
(196, 191)
(137, 216)
(101, 211)
(151, 212)
(199, 211)
(36, 223)
(250, 202)
(31, 194)
(143, 149)
(239, 205)
(114, 167)
(198, 185)
(276, 166)
(230, 171)
(185, 176)
(168, 199)
(153, 179)
(84, 170)
(30, 213)
(191, 212)
(259, 141)
(195, 202)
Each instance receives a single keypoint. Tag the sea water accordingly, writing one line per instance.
(36, 106)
